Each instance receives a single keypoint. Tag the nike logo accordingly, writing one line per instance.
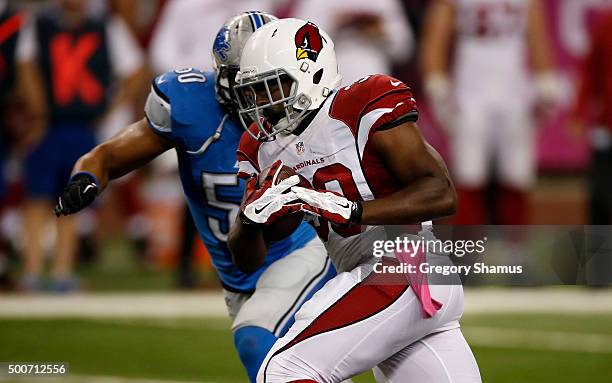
(257, 211)
(344, 205)
(88, 187)
(396, 83)
(161, 80)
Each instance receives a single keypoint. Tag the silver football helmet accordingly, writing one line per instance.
(227, 49)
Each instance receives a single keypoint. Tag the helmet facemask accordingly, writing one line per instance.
(226, 80)
(271, 100)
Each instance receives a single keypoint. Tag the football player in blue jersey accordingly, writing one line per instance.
(195, 113)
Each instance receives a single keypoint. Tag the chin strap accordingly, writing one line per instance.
(210, 139)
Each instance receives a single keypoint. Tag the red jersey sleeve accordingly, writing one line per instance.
(374, 103)
(248, 155)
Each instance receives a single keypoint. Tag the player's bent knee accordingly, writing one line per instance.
(279, 370)
(253, 344)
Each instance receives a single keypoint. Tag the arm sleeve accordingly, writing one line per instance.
(245, 167)
(374, 103)
(158, 112)
(248, 155)
(392, 104)
(400, 108)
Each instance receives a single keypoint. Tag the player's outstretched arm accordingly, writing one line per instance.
(130, 149)
(428, 191)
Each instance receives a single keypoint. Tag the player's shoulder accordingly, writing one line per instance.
(366, 92)
(180, 82)
(370, 93)
(368, 89)
(180, 95)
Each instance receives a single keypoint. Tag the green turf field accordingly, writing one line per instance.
(509, 348)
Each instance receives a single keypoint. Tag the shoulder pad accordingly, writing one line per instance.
(381, 93)
(163, 83)
(174, 87)
(158, 111)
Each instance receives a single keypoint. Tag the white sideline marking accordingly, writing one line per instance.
(162, 323)
(166, 305)
(117, 305)
(538, 340)
(564, 299)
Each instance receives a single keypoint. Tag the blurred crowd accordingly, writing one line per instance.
(508, 90)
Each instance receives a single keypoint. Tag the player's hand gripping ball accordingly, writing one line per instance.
(269, 202)
(329, 205)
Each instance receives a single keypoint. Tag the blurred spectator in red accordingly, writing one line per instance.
(11, 22)
(72, 60)
(485, 101)
(369, 36)
(594, 108)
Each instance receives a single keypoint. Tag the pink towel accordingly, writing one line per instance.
(419, 283)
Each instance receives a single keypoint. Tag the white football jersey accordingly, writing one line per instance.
(491, 47)
(334, 153)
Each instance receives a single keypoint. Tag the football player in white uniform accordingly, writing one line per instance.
(485, 100)
(362, 154)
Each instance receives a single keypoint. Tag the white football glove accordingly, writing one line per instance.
(329, 206)
(271, 203)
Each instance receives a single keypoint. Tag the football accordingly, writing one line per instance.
(285, 226)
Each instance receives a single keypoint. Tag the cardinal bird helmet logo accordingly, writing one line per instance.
(308, 42)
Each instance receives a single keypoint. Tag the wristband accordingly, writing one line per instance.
(356, 212)
(89, 176)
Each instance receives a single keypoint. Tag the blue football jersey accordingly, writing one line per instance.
(182, 107)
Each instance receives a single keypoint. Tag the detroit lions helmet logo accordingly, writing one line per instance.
(308, 42)
(222, 45)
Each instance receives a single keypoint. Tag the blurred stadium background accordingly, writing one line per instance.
(141, 303)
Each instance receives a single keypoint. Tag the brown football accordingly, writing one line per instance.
(285, 226)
